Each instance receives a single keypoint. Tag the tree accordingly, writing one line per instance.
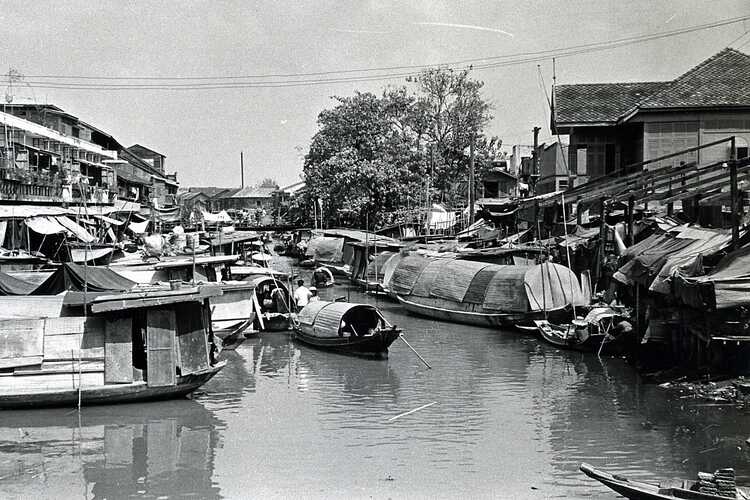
(269, 182)
(374, 156)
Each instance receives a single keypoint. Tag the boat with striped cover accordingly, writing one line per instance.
(358, 329)
(482, 294)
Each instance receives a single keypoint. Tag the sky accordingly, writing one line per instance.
(202, 131)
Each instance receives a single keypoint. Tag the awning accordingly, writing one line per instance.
(77, 230)
(139, 227)
(109, 220)
(44, 225)
(26, 211)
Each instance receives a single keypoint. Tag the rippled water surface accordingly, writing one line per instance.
(513, 418)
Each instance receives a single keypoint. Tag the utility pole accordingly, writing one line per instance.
(242, 169)
(471, 180)
(534, 176)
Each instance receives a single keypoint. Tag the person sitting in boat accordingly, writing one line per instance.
(346, 330)
(314, 294)
(302, 294)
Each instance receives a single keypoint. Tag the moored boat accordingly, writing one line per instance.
(484, 294)
(358, 329)
(593, 333)
(638, 490)
(103, 348)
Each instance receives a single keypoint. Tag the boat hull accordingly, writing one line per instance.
(111, 394)
(489, 320)
(369, 345)
(636, 490)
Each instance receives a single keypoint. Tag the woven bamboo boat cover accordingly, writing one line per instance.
(478, 286)
(455, 278)
(427, 278)
(506, 290)
(406, 274)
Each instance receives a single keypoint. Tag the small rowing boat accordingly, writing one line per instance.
(358, 329)
(681, 489)
(597, 332)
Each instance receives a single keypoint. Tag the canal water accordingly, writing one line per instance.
(510, 417)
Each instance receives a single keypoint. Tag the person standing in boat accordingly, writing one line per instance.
(302, 295)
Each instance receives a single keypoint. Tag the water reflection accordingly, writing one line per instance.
(512, 418)
(159, 450)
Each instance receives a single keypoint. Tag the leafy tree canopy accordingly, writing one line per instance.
(374, 156)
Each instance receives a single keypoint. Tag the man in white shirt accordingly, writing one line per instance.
(302, 295)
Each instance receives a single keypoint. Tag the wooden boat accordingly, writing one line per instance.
(482, 294)
(273, 302)
(232, 313)
(637, 490)
(97, 254)
(358, 329)
(127, 347)
(323, 278)
(593, 333)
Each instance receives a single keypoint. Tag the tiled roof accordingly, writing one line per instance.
(600, 102)
(253, 192)
(720, 80)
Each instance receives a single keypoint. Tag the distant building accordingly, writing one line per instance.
(498, 181)
(48, 155)
(247, 198)
(553, 169)
(162, 192)
(614, 125)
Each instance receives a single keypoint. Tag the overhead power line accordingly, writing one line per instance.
(82, 82)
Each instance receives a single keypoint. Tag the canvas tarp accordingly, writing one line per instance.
(656, 259)
(222, 216)
(77, 230)
(44, 225)
(389, 267)
(71, 276)
(552, 286)
(324, 249)
(10, 285)
(375, 268)
(727, 286)
(139, 227)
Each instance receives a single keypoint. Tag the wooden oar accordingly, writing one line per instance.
(401, 336)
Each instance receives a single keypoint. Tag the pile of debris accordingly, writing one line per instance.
(722, 483)
(731, 392)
